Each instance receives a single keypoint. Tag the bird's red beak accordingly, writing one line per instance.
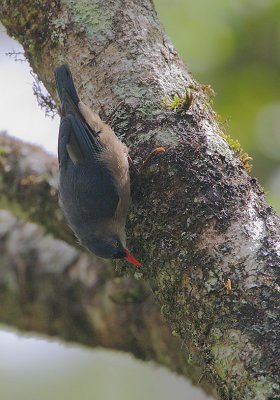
(129, 257)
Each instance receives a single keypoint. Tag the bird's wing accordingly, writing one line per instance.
(87, 187)
(77, 139)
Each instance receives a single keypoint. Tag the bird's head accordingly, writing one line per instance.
(111, 247)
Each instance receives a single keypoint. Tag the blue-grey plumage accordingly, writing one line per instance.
(94, 183)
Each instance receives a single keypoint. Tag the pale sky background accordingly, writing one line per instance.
(52, 365)
(19, 111)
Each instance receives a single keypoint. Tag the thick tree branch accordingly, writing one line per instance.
(49, 287)
(208, 240)
(29, 186)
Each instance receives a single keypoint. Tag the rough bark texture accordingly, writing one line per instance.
(51, 287)
(208, 241)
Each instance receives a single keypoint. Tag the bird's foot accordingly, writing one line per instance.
(145, 163)
(157, 150)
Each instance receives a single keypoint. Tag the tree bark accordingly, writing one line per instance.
(51, 287)
(208, 240)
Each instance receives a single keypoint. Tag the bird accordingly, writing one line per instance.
(94, 182)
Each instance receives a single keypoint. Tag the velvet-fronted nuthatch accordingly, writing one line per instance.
(94, 184)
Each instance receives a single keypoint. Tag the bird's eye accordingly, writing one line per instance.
(119, 254)
(115, 244)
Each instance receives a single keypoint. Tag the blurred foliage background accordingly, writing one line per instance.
(234, 45)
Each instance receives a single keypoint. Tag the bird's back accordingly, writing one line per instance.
(94, 175)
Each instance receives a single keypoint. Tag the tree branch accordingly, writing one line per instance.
(32, 262)
(200, 225)
(29, 186)
(50, 287)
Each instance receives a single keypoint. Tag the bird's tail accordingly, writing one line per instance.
(65, 84)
